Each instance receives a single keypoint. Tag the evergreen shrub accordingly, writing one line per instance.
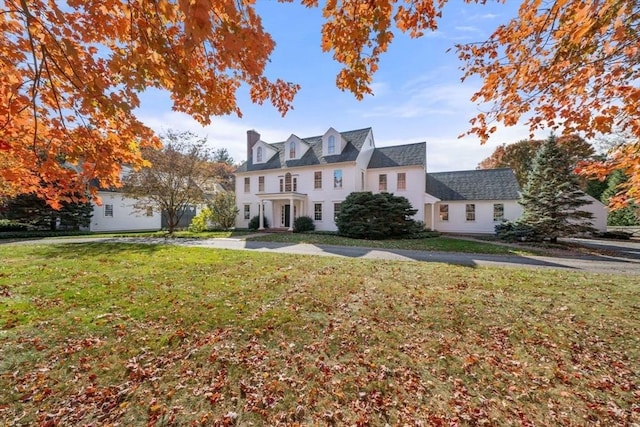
(364, 215)
(254, 223)
(514, 231)
(303, 224)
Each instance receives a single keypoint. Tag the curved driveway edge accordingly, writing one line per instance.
(591, 263)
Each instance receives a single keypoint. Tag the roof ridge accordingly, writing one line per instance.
(346, 131)
(474, 170)
(401, 145)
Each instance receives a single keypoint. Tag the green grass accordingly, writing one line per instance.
(181, 234)
(184, 234)
(97, 334)
(141, 234)
(445, 244)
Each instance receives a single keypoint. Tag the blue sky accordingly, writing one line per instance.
(418, 92)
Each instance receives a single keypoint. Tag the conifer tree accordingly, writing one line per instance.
(552, 197)
(33, 210)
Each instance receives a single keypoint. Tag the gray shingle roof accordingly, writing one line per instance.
(355, 139)
(399, 155)
(482, 184)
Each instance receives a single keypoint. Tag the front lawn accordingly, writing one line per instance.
(126, 334)
(22, 235)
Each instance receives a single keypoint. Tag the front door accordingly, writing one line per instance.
(287, 215)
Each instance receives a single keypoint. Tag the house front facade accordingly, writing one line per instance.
(312, 177)
(301, 177)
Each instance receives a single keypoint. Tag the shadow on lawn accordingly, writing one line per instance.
(91, 249)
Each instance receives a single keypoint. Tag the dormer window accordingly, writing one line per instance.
(292, 150)
(259, 155)
(331, 145)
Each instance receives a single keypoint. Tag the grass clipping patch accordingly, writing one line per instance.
(162, 335)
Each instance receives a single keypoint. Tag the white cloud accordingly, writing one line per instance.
(467, 29)
(223, 132)
(421, 98)
(444, 153)
(487, 16)
(380, 89)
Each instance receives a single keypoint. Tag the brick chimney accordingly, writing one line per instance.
(252, 138)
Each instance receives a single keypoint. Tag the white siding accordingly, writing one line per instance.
(362, 161)
(125, 216)
(327, 195)
(512, 211)
(415, 185)
(599, 211)
(483, 223)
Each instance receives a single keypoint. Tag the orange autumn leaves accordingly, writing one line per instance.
(71, 76)
(567, 64)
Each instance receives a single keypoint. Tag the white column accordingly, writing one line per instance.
(291, 218)
(433, 217)
(261, 215)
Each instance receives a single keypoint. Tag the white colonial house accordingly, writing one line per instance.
(312, 176)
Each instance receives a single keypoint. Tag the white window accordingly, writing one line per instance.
(317, 180)
(337, 178)
(259, 155)
(287, 182)
(336, 210)
(470, 210)
(247, 184)
(247, 211)
(292, 150)
(331, 145)
(261, 183)
(402, 181)
(498, 212)
(317, 211)
(382, 182)
(108, 210)
(444, 212)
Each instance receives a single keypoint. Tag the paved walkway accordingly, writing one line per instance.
(617, 262)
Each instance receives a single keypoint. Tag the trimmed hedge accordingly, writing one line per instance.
(9, 225)
(43, 233)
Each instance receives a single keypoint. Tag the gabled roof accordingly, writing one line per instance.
(399, 155)
(355, 140)
(481, 184)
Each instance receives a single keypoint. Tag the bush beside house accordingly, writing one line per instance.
(364, 215)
